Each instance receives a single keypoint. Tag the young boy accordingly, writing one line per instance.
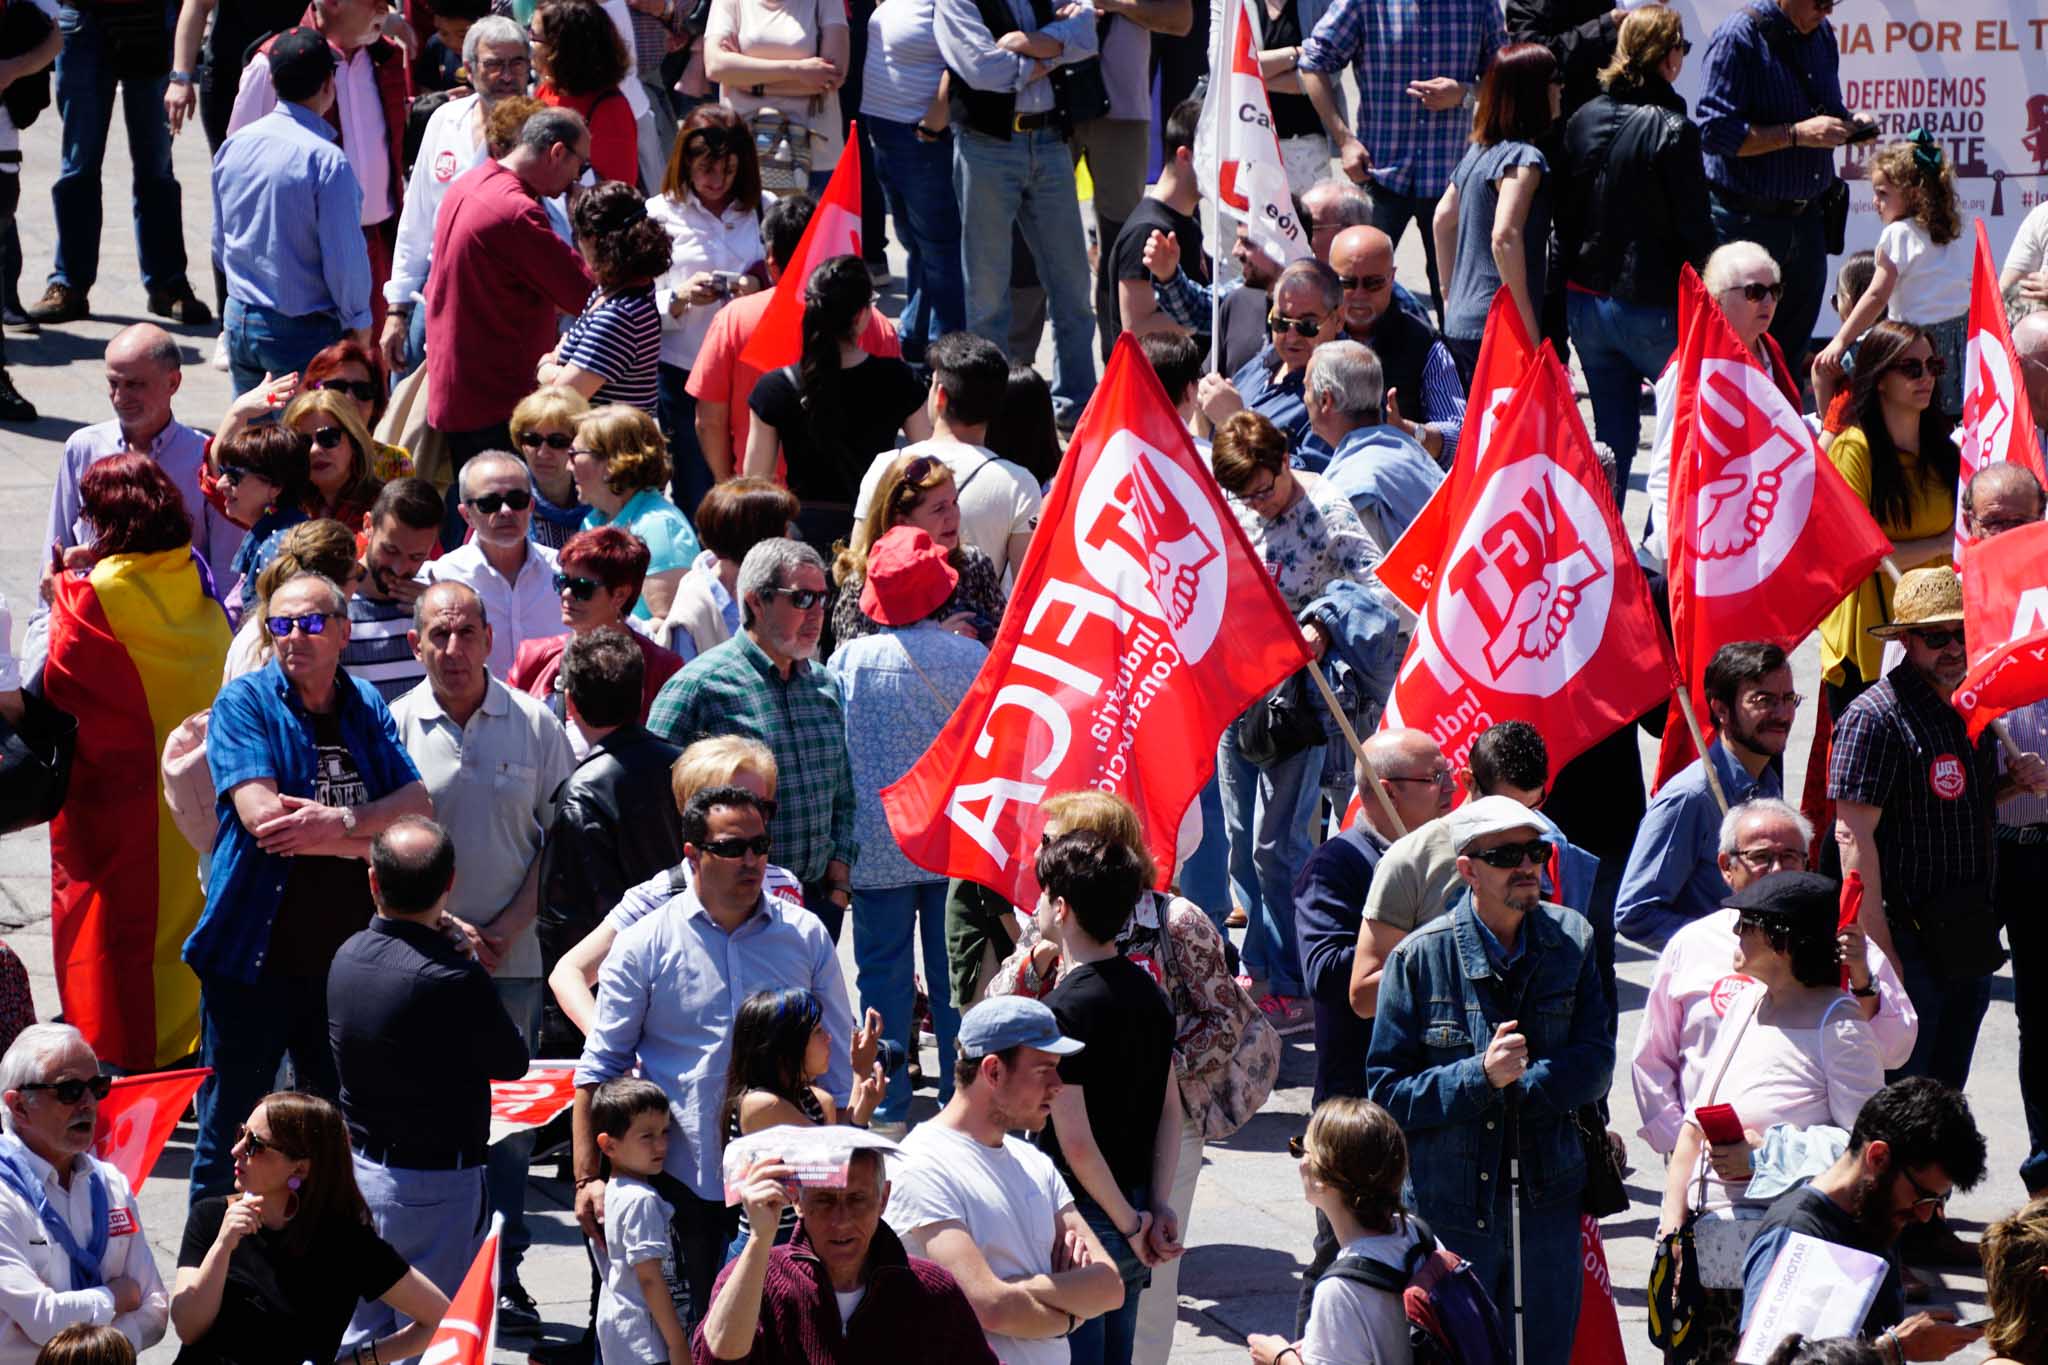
(636, 1316)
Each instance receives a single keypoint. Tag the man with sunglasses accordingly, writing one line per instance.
(512, 573)
(72, 1249)
(1421, 377)
(1914, 1144)
(1492, 1030)
(1272, 383)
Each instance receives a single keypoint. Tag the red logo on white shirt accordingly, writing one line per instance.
(120, 1222)
(444, 166)
(1726, 989)
(1946, 776)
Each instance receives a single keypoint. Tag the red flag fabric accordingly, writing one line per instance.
(1598, 1338)
(1112, 669)
(834, 230)
(138, 1116)
(1408, 570)
(1765, 536)
(1998, 422)
(544, 1091)
(1541, 613)
(2005, 620)
(468, 1334)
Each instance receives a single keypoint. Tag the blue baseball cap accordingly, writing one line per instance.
(1006, 1021)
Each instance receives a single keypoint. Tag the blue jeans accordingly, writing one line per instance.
(85, 83)
(1620, 345)
(691, 477)
(1267, 813)
(434, 1219)
(1108, 1338)
(264, 341)
(1951, 1012)
(245, 1031)
(917, 178)
(884, 924)
(1205, 876)
(1391, 214)
(1799, 246)
(1029, 181)
(505, 1172)
(1551, 1275)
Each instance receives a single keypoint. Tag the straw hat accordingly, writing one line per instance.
(1924, 597)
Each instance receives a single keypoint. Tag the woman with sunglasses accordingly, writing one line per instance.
(621, 468)
(341, 474)
(274, 1271)
(1793, 1049)
(734, 516)
(919, 491)
(710, 203)
(543, 430)
(352, 370)
(598, 576)
(1899, 458)
(264, 479)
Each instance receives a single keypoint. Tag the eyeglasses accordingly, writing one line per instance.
(1371, 284)
(1934, 367)
(1261, 494)
(73, 1090)
(735, 848)
(1757, 293)
(518, 499)
(1768, 859)
(1297, 1146)
(1301, 327)
(1685, 47)
(554, 440)
(491, 66)
(257, 1144)
(327, 438)
(1998, 526)
(1771, 701)
(1440, 777)
(1824, 6)
(803, 599)
(1938, 639)
(1928, 1199)
(312, 623)
(1773, 932)
(1508, 857)
(362, 390)
(578, 587)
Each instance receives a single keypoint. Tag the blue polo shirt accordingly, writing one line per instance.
(259, 730)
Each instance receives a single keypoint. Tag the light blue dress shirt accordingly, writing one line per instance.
(1674, 871)
(287, 219)
(970, 50)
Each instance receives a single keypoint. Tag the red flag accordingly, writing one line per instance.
(1112, 669)
(1851, 910)
(1998, 423)
(834, 230)
(1765, 536)
(1540, 613)
(468, 1334)
(137, 1117)
(1598, 1338)
(2005, 620)
(544, 1091)
(1408, 570)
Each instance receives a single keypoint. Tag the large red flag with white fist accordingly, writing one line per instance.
(2005, 619)
(1142, 624)
(1539, 612)
(1998, 423)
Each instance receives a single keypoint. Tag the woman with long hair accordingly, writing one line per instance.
(1899, 458)
(598, 576)
(621, 468)
(732, 518)
(610, 353)
(2016, 1286)
(274, 1271)
(342, 461)
(580, 60)
(1027, 433)
(918, 490)
(354, 371)
(831, 411)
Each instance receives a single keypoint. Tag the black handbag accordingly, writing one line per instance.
(1281, 724)
(1958, 937)
(35, 763)
(1606, 1193)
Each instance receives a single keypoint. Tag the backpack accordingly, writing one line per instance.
(1451, 1320)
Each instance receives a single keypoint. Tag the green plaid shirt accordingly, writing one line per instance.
(735, 689)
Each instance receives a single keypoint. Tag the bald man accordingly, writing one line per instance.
(1422, 379)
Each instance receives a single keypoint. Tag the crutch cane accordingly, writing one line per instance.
(1515, 1218)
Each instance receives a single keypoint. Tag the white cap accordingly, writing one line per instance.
(1494, 815)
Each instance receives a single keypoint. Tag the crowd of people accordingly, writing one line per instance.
(514, 670)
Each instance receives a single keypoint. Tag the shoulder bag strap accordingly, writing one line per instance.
(1754, 1000)
(948, 707)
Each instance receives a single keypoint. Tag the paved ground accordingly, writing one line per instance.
(1249, 1232)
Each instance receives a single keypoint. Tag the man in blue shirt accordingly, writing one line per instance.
(1674, 873)
(1383, 471)
(287, 215)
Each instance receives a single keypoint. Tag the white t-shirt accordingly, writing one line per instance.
(849, 1301)
(1009, 1198)
(1354, 1324)
(1934, 281)
(998, 498)
(10, 136)
(636, 1223)
(2029, 251)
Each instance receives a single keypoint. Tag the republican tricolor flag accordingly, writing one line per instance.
(1237, 153)
(834, 230)
(1998, 423)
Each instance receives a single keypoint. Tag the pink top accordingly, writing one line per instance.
(1694, 984)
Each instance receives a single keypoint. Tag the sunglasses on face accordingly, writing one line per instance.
(362, 390)
(1301, 327)
(1757, 293)
(735, 848)
(312, 623)
(1938, 639)
(1685, 47)
(803, 599)
(1934, 367)
(1371, 284)
(554, 440)
(74, 1090)
(1508, 857)
(578, 587)
(327, 438)
(233, 474)
(518, 499)
(257, 1145)
(1297, 1146)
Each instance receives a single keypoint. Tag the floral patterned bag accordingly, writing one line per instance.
(1237, 1066)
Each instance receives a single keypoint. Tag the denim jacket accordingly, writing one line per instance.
(1439, 1005)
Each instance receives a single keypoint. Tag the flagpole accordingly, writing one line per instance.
(1365, 768)
(1699, 742)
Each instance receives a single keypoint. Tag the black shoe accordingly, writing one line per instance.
(180, 305)
(518, 1315)
(13, 407)
(15, 317)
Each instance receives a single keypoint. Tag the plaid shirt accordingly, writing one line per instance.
(1902, 748)
(735, 689)
(1389, 43)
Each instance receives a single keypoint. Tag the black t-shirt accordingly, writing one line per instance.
(1293, 115)
(281, 1309)
(1244, 327)
(325, 899)
(1118, 1010)
(1127, 257)
(1807, 1210)
(870, 401)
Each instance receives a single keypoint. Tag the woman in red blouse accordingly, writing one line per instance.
(581, 59)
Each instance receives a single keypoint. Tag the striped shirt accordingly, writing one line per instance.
(618, 337)
(1754, 65)
(377, 650)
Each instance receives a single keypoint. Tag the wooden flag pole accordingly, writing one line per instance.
(1365, 768)
(1699, 742)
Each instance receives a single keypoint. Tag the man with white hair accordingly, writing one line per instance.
(72, 1249)
(1383, 470)
(514, 576)
(766, 683)
(1694, 983)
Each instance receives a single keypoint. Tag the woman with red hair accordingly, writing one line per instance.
(598, 576)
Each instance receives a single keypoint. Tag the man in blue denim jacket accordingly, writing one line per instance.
(1492, 1028)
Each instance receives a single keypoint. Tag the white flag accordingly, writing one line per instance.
(1237, 154)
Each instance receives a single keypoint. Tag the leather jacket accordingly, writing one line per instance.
(1631, 202)
(615, 826)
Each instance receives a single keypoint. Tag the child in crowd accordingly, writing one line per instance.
(1922, 270)
(637, 1322)
(1830, 392)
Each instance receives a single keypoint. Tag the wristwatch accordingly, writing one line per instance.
(181, 78)
(1864, 992)
(348, 820)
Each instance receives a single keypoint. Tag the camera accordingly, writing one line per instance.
(890, 1054)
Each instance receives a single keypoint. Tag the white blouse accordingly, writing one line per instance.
(700, 240)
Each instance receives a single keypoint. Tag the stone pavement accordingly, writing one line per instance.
(1249, 1232)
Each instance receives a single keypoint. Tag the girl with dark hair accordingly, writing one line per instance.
(731, 519)
(580, 59)
(598, 577)
(264, 479)
(274, 1271)
(1498, 201)
(1027, 433)
(609, 354)
(1899, 458)
(832, 410)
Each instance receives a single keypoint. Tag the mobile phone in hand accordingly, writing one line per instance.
(1720, 1124)
(1862, 130)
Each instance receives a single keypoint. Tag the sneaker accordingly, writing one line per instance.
(1288, 1014)
(13, 407)
(180, 305)
(518, 1315)
(60, 303)
(219, 359)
